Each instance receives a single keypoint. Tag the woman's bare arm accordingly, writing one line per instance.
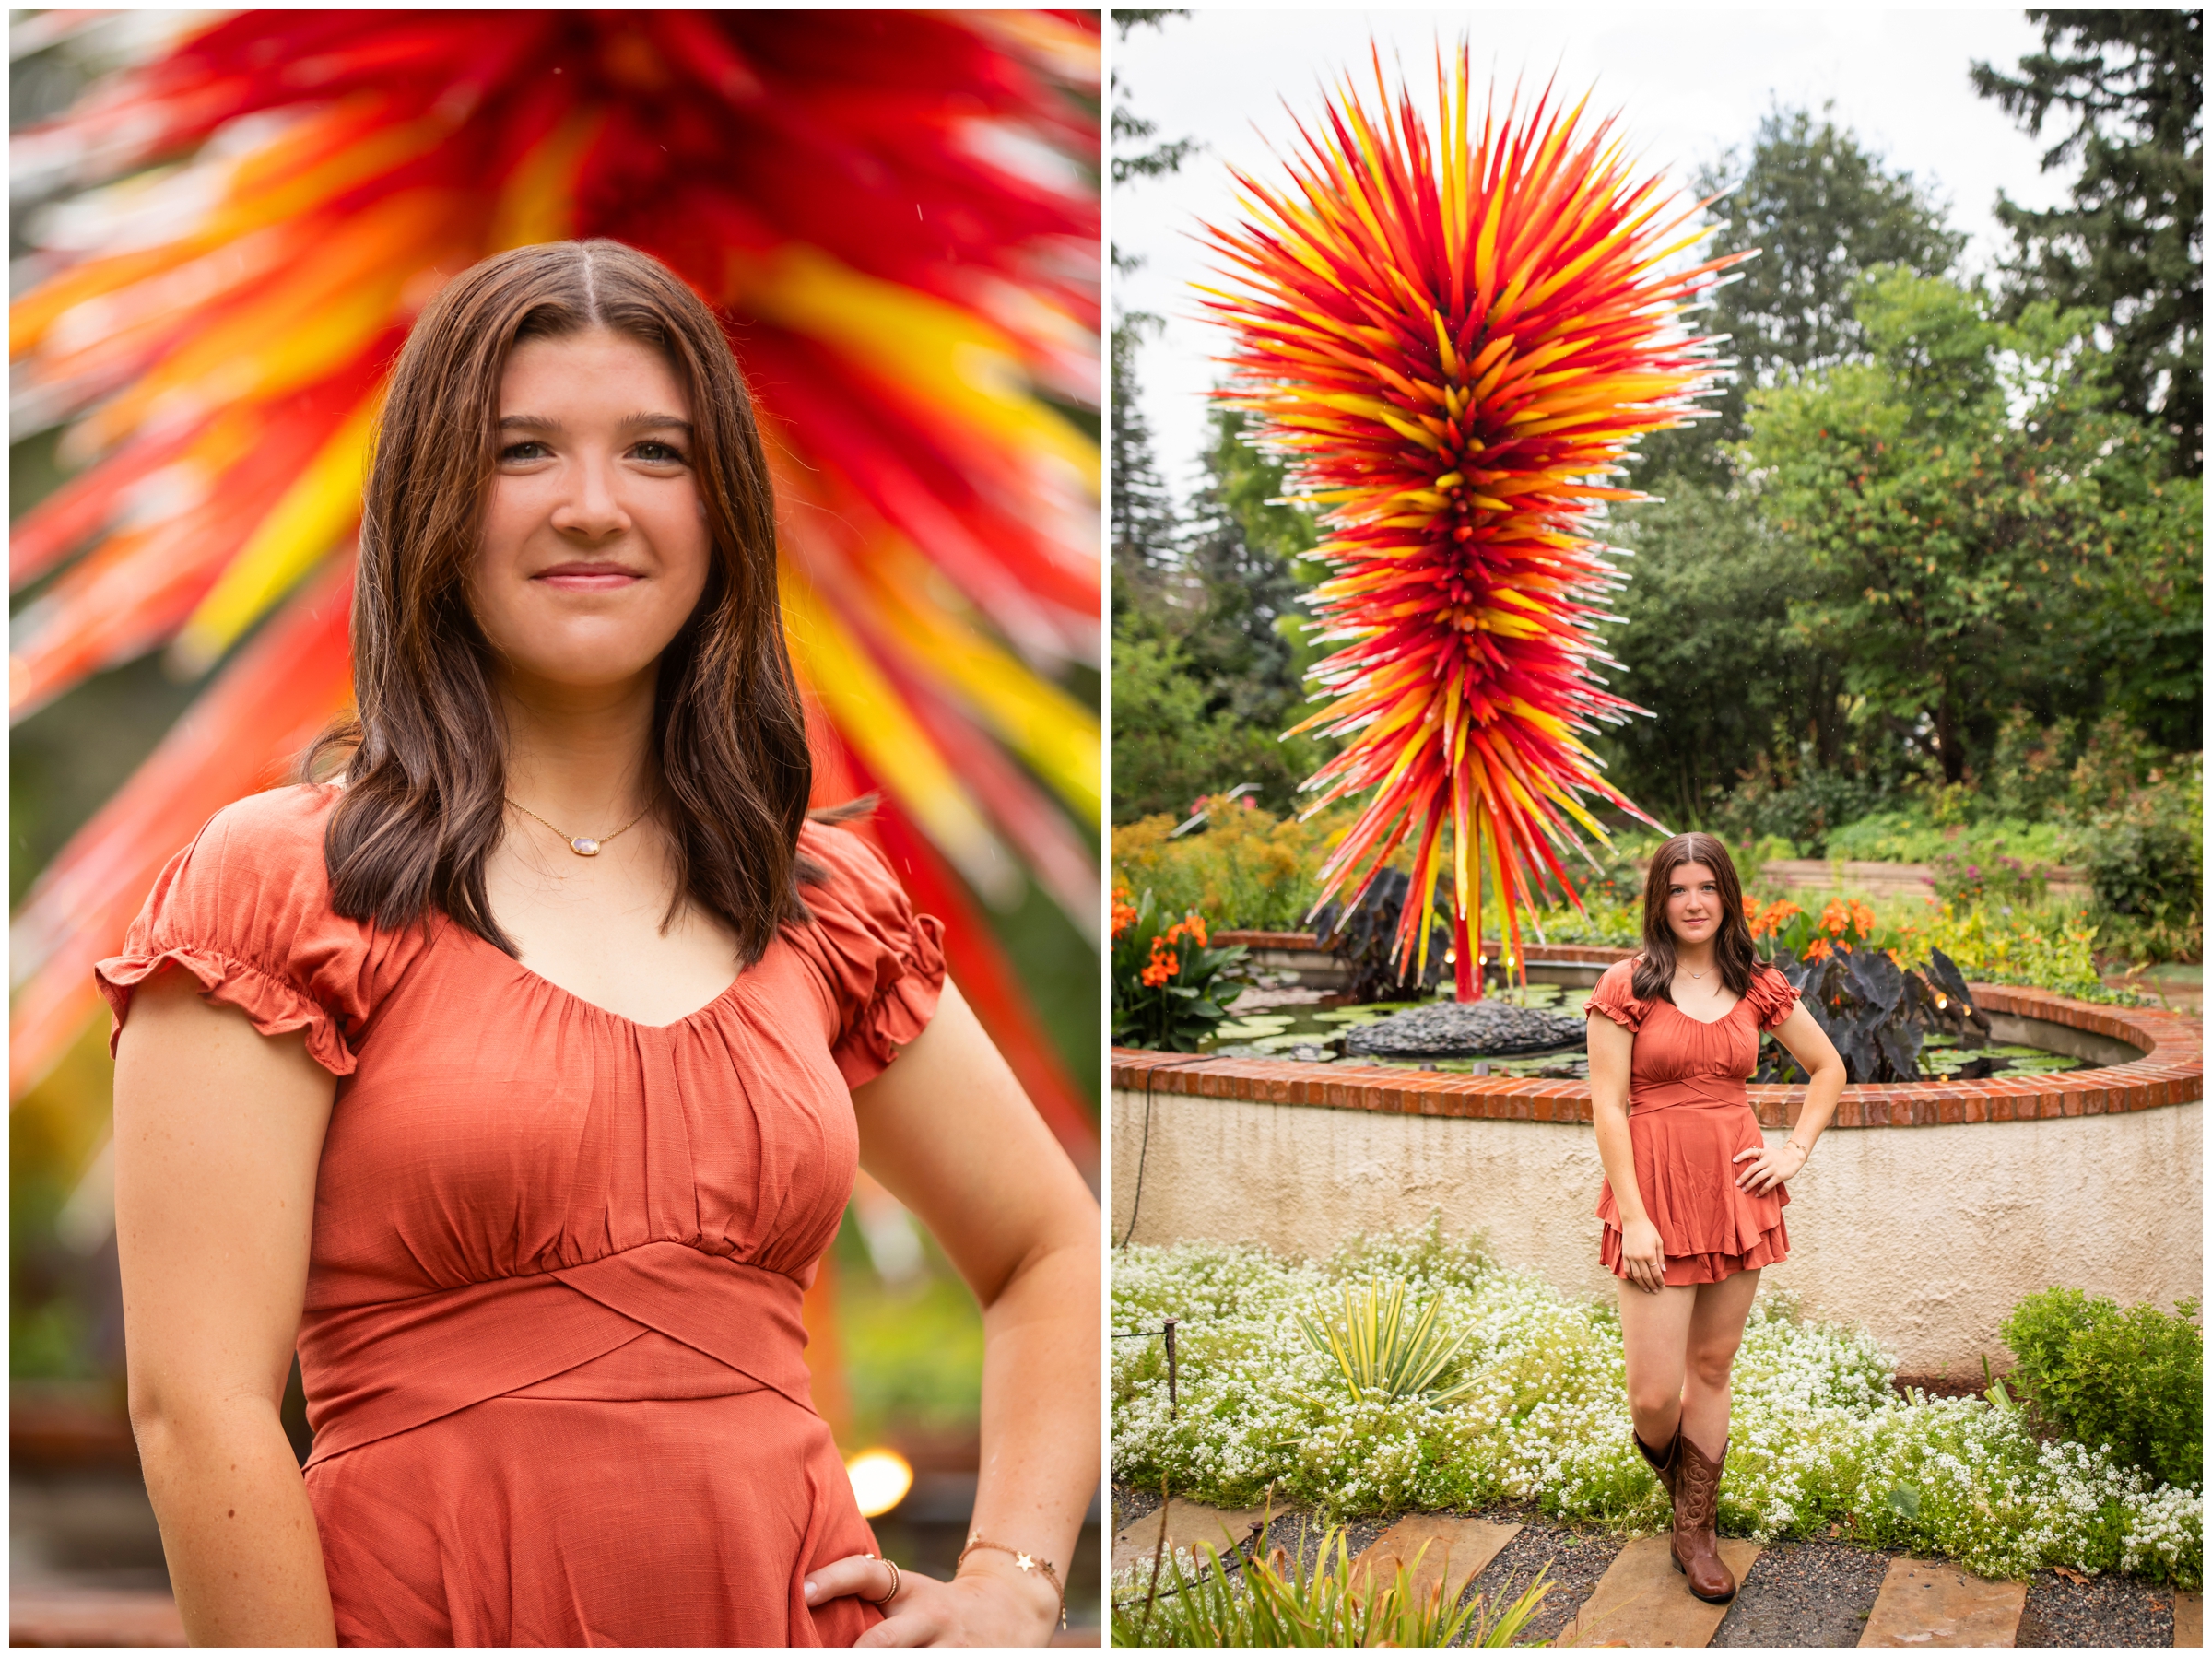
(949, 1131)
(1611, 1048)
(218, 1130)
(1809, 1045)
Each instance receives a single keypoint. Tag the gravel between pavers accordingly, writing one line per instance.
(1798, 1594)
(1805, 1593)
(2104, 1611)
(1577, 1558)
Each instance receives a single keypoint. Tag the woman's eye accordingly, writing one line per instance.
(663, 453)
(531, 449)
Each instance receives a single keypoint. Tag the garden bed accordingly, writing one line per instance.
(1822, 1448)
(2005, 1185)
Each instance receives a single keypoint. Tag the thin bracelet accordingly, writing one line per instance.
(1805, 1151)
(1024, 1562)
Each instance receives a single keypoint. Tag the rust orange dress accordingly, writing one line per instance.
(552, 1345)
(1689, 1115)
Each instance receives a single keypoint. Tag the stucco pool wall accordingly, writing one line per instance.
(1925, 1232)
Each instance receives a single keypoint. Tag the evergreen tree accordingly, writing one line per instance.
(1142, 513)
(1129, 127)
(1246, 624)
(1822, 210)
(2132, 242)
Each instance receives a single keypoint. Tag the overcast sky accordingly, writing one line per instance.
(1688, 84)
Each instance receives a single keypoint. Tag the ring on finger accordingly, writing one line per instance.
(893, 1595)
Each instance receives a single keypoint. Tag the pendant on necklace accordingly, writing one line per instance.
(584, 846)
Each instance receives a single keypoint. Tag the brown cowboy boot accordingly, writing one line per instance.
(1696, 1550)
(1666, 1463)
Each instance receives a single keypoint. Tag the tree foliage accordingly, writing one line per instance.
(1975, 518)
(2131, 243)
(1141, 514)
(1706, 644)
(1209, 647)
(1822, 211)
(1130, 129)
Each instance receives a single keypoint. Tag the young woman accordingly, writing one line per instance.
(1693, 1194)
(529, 1136)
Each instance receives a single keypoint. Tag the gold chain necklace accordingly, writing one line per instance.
(584, 845)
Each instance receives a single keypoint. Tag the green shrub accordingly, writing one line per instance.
(2146, 861)
(2048, 946)
(1245, 868)
(1913, 833)
(2132, 1382)
(1804, 811)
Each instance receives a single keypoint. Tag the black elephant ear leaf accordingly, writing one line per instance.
(1900, 1047)
(1861, 1054)
(1944, 972)
(1874, 980)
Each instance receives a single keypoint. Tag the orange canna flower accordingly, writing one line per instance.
(1817, 950)
(1863, 917)
(1165, 962)
(1125, 911)
(1197, 927)
(1835, 918)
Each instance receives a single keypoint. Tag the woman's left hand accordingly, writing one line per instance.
(1775, 1164)
(979, 1608)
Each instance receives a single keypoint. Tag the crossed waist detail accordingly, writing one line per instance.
(374, 1370)
(1690, 1092)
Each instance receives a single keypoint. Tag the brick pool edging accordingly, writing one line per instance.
(2171, 1072)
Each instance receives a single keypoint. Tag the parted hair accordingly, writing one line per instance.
(1732, 947)
(424, 756)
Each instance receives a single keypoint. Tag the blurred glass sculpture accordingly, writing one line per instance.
(898, 212)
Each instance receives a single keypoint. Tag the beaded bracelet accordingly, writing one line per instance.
(1023, 1561)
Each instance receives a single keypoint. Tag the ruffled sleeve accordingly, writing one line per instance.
(884, 963)
(245, 908)
(1615, 999)
(1770, 996)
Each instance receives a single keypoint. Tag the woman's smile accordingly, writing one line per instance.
(588, 575)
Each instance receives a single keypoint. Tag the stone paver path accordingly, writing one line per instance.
(1189, 1524)
(1934, 1603)
(1450, 1551)
(1805, 1594)
(1644, 1601)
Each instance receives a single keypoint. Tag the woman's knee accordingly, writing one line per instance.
(1652, 1398)
(1711, 1362)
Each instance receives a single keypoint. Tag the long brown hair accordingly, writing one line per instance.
(425, 801)
(1732, 947)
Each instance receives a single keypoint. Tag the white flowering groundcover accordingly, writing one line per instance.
(1817, 1436)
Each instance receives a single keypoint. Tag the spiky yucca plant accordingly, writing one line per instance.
(1455, 340)
(1376, 1349)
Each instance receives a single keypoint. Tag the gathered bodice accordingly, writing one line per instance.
(1678, 1060)
(521, 1176)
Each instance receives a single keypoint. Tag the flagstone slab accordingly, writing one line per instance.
(1188, 1524)
(1644, 1601)
(2188, 1619)
(1933, 1603)
(1450, 1551)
